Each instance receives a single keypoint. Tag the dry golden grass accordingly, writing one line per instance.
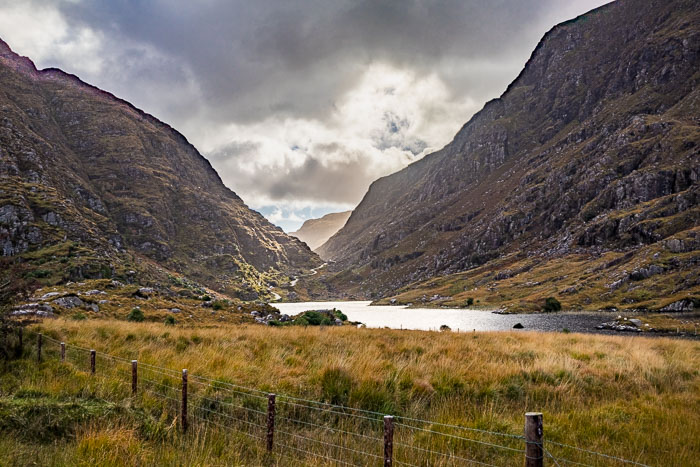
(634, 397)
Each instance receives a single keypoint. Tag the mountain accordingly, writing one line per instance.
(580, 181)
(91, 187)
(315, 232)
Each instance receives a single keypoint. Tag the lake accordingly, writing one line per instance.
(400, 317)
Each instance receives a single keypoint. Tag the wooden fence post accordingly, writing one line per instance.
(534, 454)
(270, 421)
(63, 351)
(134, 377)
(38, 348)
(184, 401)
(92, 362)
(388, 440)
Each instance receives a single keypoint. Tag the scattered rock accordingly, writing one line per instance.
(518, 326)
(620, 327)
(685, 304)
(174, 310)
(93, 307)
(95, 292)
(46, 296)
(635, 321)
(69, 301)
(43, 310)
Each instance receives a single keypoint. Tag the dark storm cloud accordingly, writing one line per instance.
(331, 179)
(298, 104)
(296, 57)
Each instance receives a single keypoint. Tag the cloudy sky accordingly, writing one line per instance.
(299, 105)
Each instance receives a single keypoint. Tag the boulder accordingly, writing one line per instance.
(49, 295)
(69, 301)
(685, 304)
(95, 292)
(518, 326)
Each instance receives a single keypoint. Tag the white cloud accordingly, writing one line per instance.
(298, 105)
(41, 33)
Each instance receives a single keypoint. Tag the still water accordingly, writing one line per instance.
(398, 317)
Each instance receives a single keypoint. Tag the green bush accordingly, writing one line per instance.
(470, 301)
(169, 321)
(552, 304)
(340, 315)
(312, 318)
(218, 305)
(79, 316)
(37, 274)
(135, 315)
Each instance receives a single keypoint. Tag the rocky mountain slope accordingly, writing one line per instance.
(92, 187)
(580, 181)
(315, 232)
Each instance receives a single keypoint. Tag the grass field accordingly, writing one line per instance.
(634, 397)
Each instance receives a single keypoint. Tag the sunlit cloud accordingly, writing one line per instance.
(298, 105)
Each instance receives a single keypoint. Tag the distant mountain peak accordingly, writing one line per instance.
(315, 232)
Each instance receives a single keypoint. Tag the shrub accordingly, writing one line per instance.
(79, 316)
(444, 328)
(37, 274)
(169, 321)
(135, 315)
(313, 318)
(552, 304)
(205, 298)
(340, 315)
(470, 301)
(217, 305)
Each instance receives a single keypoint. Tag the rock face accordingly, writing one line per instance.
(315, 232)
(88, 174)
(593, 148)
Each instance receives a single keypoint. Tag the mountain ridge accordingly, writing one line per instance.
(81, 165)
(315, 232)
(518, 177)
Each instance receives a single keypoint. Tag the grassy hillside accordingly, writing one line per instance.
(638, 398)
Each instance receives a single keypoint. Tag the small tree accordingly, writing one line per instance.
(470, 301)
(169, 321)
(552, 304)
(135, 315)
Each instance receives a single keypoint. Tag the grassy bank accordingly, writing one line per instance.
(635, 397)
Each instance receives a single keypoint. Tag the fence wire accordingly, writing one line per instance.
(314, 429)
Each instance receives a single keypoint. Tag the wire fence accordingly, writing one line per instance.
(303, 430)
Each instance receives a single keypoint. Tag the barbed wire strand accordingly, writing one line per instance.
(316, 454)
(461, 438)
(607, 456)
(342, 410)
(306, 438)
(453, 456)
(294, 420)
